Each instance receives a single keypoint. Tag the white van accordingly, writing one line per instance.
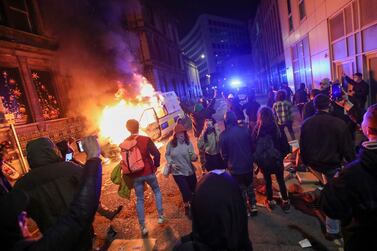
(159, 122)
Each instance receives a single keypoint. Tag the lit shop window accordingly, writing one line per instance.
(12, 95)
(46, 94)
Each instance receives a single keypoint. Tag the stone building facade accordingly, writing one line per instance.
(31, 87)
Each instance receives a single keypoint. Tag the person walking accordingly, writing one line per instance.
(179, 156)
(251, 108)
(352, 196)
(324, 142)
(300, 98)
(147, 175)
(236, 150)
(283, 112)
(209, 143)
(271, 146)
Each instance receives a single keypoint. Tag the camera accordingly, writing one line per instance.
(79, 146)
(336, 92)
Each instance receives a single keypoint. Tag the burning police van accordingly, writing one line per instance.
(156, 112)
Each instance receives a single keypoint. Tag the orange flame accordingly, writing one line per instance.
(113, 120)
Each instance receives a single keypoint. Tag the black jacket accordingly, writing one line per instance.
(352, 198)
(325, 141)
(66, 233)
(252, 108)
(219, 219)
(236, 146)
(361, 90)
(308, 110)
(300, 97)
(198, 117)
(51, 183)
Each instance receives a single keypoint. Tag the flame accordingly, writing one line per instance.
(114, 117)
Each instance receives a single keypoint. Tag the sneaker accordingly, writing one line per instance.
(161, 219)
(286, 205)
(144, 231)
(253, 210)
(270, 204)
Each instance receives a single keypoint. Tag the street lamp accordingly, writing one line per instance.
(202, 56)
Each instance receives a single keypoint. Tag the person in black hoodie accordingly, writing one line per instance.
(271, 148)
(352, 196)
(219, 219)
(51, 185)
(66, 232)
(309, 109)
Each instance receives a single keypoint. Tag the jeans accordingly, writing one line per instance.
(186, 185)
(332, 225)
(245, 181)
(280, 179)
(288, 124)
(151, 180)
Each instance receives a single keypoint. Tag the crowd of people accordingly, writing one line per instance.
(62, 196)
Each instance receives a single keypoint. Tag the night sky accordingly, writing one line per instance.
(187, 11)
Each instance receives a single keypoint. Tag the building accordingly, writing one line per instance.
(31, 86)
(158, 48)
(328, 38)
(211, 42)
(193, 87)
(267, 47)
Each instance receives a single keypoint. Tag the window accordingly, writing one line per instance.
(290, 18)
(301, 62)
(337, 27)
(368, 11)
(46, 94)
(12, 95)
(301, 7)
(18, 15)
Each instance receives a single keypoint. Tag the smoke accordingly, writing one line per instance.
(96, 52)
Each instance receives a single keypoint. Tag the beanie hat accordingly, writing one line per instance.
(179, 128)
(321, 102)
(198, 107)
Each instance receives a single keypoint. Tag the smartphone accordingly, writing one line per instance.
(79, 146)
(68, 156)
(336, 92)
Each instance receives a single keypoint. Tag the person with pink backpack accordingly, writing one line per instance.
(137, 152)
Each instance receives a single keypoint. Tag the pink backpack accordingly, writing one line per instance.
(132, 160)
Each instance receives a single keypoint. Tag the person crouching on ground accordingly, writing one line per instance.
(147, 175)
(209, 142)
(271, 148)
(179, 155)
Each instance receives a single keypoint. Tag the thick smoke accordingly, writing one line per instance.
(96, 52)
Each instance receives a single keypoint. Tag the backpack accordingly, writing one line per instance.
(266, 155)
(132, 160)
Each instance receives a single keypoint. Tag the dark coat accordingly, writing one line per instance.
(352, 198)
(198, 117)
(50, 185)
(308, 110)
(66, 233)
(300, 97)
(325, 140)
(361, 90)
(236, 146)
(219, 219)
(252, 108)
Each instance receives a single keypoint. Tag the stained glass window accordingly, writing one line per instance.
(12, 95)
(46, 94)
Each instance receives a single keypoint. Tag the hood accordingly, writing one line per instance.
(368, 157)
(41, 152)
(230, 119)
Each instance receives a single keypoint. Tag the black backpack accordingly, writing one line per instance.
(266, 155)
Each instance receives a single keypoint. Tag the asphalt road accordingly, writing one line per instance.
(268, 231)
